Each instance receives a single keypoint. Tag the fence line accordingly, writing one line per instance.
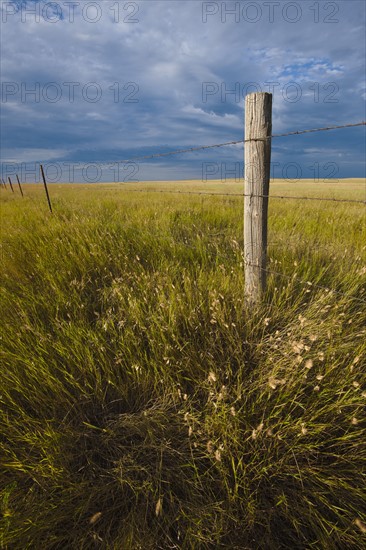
(251, 195)
(243, 195)
(228, 143)
(326, 199)
(298, 132)
(202, 147)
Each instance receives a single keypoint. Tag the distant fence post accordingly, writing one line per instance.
(11, 185)
(258, 128)
(20, 187)
(45, 186)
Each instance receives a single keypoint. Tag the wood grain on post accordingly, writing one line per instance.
(258, 128)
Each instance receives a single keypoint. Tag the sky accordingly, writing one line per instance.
(86, 86)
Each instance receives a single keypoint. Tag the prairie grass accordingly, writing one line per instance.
(142, 404)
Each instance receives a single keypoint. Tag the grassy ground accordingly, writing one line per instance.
(142, 405)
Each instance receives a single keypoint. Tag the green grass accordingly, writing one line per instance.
(142, 404)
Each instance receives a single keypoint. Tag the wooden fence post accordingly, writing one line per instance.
(258, 128)
(20, 187)
(11, 185)
(45, 186)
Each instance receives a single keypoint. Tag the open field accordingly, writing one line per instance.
(142, 405)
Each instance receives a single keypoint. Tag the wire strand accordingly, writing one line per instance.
(228, 143)
(298, 132)
(354, 201)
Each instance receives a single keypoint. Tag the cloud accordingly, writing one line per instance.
(130, 77)
(212, 118)
(33, 155)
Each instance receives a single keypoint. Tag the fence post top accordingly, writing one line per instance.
(258, 94)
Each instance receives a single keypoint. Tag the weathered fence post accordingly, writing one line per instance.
(11, 185)
(258, 128)
(45, 186)
(20, 187)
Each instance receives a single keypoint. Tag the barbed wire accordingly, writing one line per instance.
(228, 143)
(298, 132)
(212, 194)
(357, 201)
(244, 195)
(236, 142)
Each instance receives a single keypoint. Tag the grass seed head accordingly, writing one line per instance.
(212, 377)
(159, 507)
(360, 524)
(96, 517)
(309, 364)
